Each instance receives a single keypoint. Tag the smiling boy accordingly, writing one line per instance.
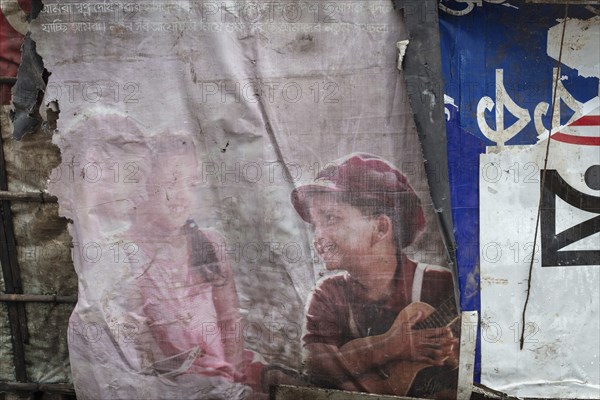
(360, 335)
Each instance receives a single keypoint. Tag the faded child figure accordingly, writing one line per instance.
(190, 301)
(384, 324)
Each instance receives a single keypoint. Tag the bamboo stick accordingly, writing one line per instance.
(64, 388)
(37, 298)
(27, 196)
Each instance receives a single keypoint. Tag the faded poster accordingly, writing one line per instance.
(248, 200)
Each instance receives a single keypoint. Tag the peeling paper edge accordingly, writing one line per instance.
(402, 46)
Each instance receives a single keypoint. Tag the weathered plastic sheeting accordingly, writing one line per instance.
(47, 354)
(46, 268)
(44, 250)
(44, 255)
(6, 355)
(28, 92)
(18, 51)
(7, 372)
(499, 62)
(38, 230)
(43, 245)
(168, 94)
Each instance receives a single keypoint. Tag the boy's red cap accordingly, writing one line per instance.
(366, 179)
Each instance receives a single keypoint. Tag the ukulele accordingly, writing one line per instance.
(418, 379)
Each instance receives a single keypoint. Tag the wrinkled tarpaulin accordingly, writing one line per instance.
(507, 52)
(264, 102)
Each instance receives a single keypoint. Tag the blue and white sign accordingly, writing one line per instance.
(501, 65)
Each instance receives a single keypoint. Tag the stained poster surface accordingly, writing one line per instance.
(248, 200)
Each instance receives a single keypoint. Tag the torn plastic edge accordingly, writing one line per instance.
(36, 7)
(28, 91)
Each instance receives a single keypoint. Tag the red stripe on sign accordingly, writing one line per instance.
(572, 139)
(588, 120)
